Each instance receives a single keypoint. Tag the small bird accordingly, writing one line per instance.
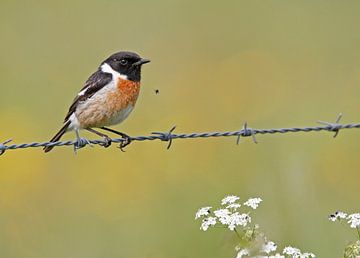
(107, 98)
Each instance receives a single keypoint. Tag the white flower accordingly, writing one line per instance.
(270, 256)
(269, 247)
(233, 206)
(202, 212)
(307, 255)
(292, 251)
(337, 216)
(229, 199)
(354, 220)
(242, 252)
(207, 222)
(235, 219)
(222, 213)
(253, 202)
(296, 253)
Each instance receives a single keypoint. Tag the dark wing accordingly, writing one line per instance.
(95, 82)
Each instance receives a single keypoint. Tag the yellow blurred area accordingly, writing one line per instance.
(216, 65)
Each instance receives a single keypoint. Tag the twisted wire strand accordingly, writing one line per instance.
(169, 136)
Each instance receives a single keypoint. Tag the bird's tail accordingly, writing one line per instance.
(57, 136)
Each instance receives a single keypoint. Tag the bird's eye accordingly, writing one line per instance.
(123, 62)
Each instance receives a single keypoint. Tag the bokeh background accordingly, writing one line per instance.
(217, 64)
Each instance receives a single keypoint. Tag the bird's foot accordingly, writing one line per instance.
(107, 142)
(80, 143)
(125, 142)
(126, 139)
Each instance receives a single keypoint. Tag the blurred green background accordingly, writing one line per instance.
(217, 64)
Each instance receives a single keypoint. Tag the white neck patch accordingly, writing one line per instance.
(106, 68)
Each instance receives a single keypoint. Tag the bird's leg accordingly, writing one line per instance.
(107, 139)
(80, 142)
(126, 138)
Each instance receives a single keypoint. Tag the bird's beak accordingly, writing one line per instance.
(141, 62)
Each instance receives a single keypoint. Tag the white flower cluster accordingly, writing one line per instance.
(253, 202)
(352, 219)
(296, 253)
(229, 199)
(202, 212)
(228, 215)
(269, 247)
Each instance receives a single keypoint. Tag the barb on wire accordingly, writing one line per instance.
(167, 137)
(3, 147)
(335, 126)
(246, 131)
(170, 136)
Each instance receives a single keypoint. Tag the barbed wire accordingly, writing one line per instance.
(170, 136)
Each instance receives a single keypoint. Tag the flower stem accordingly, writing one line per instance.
(237, 233)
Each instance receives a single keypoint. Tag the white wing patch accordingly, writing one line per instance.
(82, 92)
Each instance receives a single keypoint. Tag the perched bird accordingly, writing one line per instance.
(107, 98)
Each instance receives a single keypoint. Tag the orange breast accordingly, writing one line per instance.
(126, 94)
